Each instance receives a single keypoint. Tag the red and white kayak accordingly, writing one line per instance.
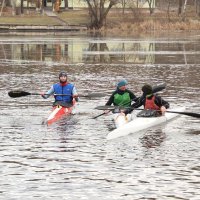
(58, 112)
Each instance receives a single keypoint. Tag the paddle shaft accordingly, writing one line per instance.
(17, 93)
(99, 115)
(191, 114)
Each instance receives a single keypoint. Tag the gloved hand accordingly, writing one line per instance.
(128, 110)
(76, 99)
(43, 96)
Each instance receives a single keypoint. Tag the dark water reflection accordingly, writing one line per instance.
(72, 159)
(176, 50)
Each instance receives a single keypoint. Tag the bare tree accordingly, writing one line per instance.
(168, 10)
(199, 9)
(66, 4)
(22, 6)
(184, 10)
(151, 4)
(98, 11)
(135, 7)
(197, 6)
(180, 5)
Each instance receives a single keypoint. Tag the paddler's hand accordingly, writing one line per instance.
(76, 98)
(43, 96)
(163, 110)
(128, 110)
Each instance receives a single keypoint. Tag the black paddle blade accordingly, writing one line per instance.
(16, 93)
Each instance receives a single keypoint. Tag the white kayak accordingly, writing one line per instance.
(125, 127)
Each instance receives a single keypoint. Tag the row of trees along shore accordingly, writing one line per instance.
(99, 9)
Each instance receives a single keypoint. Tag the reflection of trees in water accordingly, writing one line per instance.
(106, 52)
(122, 56)
(98, 57)
(3, 53)
(34, 52)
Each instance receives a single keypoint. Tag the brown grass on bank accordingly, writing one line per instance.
(117, 23)
(128, 28)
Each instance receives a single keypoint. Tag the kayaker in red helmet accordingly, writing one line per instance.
(151, 102)
(66, 90)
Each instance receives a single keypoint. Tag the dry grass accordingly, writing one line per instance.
(75, 17)
(72, 17)
(126, 29)
(28, 20)
(117, 23)
(126, 25)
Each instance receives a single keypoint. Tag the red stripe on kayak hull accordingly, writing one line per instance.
(57, 113)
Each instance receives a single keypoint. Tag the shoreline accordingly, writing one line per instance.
(41, 28)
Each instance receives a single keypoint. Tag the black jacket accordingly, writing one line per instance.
(159, 101)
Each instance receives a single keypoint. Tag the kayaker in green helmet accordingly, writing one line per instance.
(121, 96)
(155, 104)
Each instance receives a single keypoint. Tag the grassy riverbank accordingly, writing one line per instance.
(117, 23)
(71, 17)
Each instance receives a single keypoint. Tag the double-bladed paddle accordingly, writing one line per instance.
(18, 93)
(191, 114)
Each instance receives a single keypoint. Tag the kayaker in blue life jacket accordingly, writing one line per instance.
(121, 96)
(150, 102)
(67, 90)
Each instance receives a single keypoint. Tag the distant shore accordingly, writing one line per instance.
(41, 28)
(117, 23)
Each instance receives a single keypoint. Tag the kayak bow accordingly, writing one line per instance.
(140, 123)
(58, 112)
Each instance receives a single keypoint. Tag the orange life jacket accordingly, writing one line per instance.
(150, 104)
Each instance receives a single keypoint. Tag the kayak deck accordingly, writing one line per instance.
(58, 112)
(142, 123)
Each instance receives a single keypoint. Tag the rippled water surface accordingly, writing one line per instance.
(72, 158)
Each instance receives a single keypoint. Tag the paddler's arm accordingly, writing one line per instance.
(110, 100)
(48, 94)
(164, 105)
(132, 96)
(139, 102)
(75, 94)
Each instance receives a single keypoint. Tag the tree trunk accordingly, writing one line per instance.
(22, 6)
(98, 12)
(184, 10)
(168, 10)
(180, 4)
(198, 8)
(151, 4)
(66, 4)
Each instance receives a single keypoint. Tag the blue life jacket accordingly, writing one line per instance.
(66, 89)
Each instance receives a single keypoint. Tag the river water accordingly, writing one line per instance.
(72, 159)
